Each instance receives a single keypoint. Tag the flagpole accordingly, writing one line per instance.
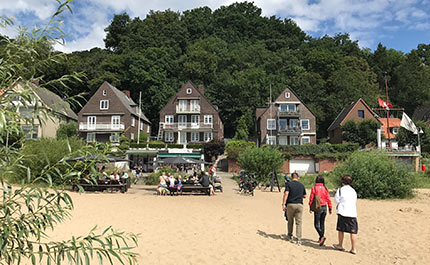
(138, 124)
(388, 114)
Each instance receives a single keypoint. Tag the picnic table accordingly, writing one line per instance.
(190, 187)
(101, 185)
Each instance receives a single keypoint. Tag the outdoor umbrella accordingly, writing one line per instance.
(98, 158)
(179, 160)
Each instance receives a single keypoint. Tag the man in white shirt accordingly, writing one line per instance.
(346, 199)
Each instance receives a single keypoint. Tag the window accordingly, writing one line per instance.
(141, 126)
(195, 120)
(91, 137)
(208, 136)
(132, 136)
(116, 122)
(294, 140)
(30, 131)
(195, 136)
(306, 140)
(395, 130)
(91, 122)
(133, 122)
(114, 137)
(168, 119)
(294, 123)
(271, 140)
(283, 140)
(168, 137)
(147, 129)
(195, 105)
(26, 112)
(271, 124)
(287, 107)
(304, 124)
(361, 113)
(208, 119)
(182, 119)
(104, 104)
(189, 91)
(104, 92)
(283, 124)
(287, 94)
(183, 105)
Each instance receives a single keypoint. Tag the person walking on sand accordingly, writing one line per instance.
(292, 202)
(319, 189)
(346, 199)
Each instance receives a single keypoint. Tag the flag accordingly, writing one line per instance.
(384, 104)
(408, 124)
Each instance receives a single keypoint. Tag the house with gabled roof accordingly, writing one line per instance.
(356, 111)
(111, 113)
(286, 121)
(189, 117)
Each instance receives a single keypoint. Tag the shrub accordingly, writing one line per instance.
(136, 145)
(235, 148)
(175, 146)
(67, 130)
(376, 175)
(261, 161)
(213, 148)
(156, 144)
(194, 146)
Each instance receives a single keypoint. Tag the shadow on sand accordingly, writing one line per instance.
(305, 242)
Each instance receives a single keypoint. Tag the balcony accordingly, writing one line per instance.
(105, 127)
(289, 113)
(186, 126)
(188, 109)
(288, 130)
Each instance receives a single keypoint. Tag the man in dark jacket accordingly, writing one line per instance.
(205, 182)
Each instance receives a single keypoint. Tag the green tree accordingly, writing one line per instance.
(28, 211)
(261, 161)
(241, 130)
(235, 148)
(363, 132)
(406, 137)
(67, 130)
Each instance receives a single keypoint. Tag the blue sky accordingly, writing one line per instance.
(398, 24)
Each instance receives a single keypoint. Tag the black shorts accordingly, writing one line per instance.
(347, 224)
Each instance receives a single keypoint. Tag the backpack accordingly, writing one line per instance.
(316, 203)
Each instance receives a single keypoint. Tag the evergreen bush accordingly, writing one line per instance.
(376, 175)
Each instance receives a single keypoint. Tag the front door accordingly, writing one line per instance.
(91, 122)
(195, 120)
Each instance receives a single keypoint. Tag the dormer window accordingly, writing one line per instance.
(287, 94)
(104, 92)
(189, 91)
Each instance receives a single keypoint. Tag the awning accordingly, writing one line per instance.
(141, 152)
(175, 155)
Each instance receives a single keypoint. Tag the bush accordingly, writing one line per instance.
(376, 175)
(261, 161)
(235, 148)
(140, 145)
(175, 146)
(156, 144)
(194, 146)
(67, 130)
(213, 148)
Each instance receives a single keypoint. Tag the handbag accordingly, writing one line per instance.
(316, 203)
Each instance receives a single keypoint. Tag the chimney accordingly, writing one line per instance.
(127, 93)
(201, 88)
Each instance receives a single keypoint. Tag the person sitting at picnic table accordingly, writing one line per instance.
(205, 182)
(124, 177)
(172, 181)
(163, 182)
(179, 185)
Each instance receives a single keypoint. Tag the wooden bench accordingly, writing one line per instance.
(101, 187)
(196, 188)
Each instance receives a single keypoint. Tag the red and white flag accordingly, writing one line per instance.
(384, 104)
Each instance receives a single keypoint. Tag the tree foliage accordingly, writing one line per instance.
(363, 132)
(406, 137)
(235, 148)
(67, 130)
(261, 161)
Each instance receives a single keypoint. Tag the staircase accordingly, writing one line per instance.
(160, 132)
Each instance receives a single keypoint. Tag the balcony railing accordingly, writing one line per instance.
(188, 109)
(288, 130)
(188, 125)
(84, 126)
(289, 113)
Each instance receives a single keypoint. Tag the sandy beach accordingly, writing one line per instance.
(230, 228)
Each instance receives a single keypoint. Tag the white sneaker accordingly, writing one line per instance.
(299, 243)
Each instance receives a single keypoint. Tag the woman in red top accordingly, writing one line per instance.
(319, 216)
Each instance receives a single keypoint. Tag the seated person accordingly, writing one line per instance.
(205, 182)
(179, 185)
(162, 187)
(172, 181)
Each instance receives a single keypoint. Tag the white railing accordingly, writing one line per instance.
(84, 126)
(188, 125)
(188, 109)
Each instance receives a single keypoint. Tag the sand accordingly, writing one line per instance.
(230, 228)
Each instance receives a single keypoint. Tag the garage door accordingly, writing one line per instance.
(302, 166)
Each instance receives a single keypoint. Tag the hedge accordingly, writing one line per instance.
(194, 146)
(175, 146)
(136, 145)
(156, 144)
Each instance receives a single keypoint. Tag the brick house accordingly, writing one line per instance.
(356, 111)
(189, 117)
(287, 121)
(109, 114)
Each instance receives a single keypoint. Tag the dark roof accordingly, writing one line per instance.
(54, 102)
(422, 113)
(341, 116)
(128, 103)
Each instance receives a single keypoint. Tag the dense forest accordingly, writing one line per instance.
(238, 54)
